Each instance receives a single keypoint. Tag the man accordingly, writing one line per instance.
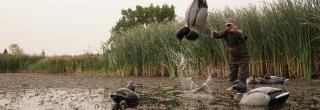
(239, 57)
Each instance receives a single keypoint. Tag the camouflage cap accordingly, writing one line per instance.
(229, 21)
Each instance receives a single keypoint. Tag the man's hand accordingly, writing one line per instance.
(214, 34)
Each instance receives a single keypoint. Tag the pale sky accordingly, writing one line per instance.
(72, 27)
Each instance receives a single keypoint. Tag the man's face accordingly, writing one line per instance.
(229, 26)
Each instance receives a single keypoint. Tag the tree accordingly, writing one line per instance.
(144, 16)
(5, 52)
(15, 49)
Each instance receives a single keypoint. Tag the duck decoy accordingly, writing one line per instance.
(259, 96)
(272, 80)
(125, 97)
(252, 80)
(195, 19)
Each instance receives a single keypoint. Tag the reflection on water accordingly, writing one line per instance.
(155, 94)
(55, 98)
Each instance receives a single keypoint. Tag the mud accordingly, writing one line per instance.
(28, 91)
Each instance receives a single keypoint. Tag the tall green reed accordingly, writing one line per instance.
(281, 37)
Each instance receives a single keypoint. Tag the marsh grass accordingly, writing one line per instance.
(283, 39)
(88, 63)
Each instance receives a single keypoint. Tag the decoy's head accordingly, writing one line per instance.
(202, 4)
(239, 86)
(131, 85)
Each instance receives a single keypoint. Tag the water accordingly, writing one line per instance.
(55, 98)
(92, 92)
(185, 78)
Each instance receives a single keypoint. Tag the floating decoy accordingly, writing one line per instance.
(125, 97)
(272, 80)
(195, 19)
(252, 80)
(259, 96)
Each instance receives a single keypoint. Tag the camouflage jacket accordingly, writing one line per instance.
(236, 42)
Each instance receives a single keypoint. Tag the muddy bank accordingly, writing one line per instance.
(85, 91)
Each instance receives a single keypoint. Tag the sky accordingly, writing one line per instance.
(73, 27)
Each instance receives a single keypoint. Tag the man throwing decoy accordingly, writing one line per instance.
(239, 57)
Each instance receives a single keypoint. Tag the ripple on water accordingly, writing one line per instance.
(156, 93)
(56, 98)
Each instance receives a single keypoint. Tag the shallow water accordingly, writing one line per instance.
(55, 98)
(91, 92)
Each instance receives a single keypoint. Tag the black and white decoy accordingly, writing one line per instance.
(195, 19)
(259, 96)
(125, 97)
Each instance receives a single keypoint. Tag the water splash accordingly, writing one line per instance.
(185, 77)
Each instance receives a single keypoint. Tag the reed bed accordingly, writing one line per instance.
(87, 63)
(283, 40)
(14, 63)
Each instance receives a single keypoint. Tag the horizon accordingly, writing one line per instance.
(76, 27)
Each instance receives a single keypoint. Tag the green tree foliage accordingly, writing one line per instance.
(144, 16)
(15, 49)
